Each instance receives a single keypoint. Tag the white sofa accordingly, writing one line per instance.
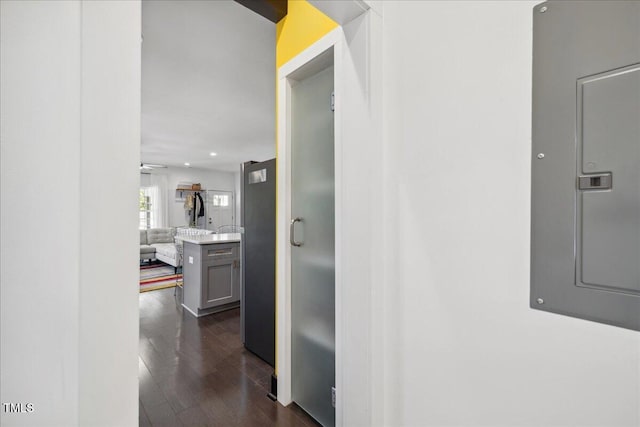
(159, 243)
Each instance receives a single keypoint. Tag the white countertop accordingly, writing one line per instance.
(209, 239)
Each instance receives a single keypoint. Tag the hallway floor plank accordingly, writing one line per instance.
(196, 372)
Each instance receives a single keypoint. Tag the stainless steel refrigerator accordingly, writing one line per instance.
(258, 217)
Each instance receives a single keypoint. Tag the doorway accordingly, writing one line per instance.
(309, 174)
(207, 107)
(220, 209)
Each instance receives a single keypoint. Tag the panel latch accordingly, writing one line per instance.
(601, 181)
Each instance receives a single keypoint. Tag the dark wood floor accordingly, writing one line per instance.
(196, 372)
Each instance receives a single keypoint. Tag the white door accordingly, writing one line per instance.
(220, 209)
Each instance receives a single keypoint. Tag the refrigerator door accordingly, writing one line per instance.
(259, 221)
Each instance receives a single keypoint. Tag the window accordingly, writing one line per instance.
(220, 200)
(145, 208)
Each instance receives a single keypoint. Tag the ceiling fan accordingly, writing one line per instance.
(150, 166)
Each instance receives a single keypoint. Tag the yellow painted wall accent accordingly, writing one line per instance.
(302, 27)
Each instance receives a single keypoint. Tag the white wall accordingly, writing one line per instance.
(359, 255)
(70, 85)
(40, 122)
(461, 345)
(209, 179)
(109, 241)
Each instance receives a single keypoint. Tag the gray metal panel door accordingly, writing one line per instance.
(585, 253)
(259, 221)
(609, 141)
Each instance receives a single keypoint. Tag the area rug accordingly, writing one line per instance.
(157, 276)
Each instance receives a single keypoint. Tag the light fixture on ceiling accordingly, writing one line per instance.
(212, 154)
(187, 164)
(149, 166)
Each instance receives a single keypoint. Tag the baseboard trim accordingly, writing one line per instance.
(189, 310)
(212, 310)
(273, 394)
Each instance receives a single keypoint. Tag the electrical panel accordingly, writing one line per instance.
(585, 214)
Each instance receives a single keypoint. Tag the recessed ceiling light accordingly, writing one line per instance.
(212, 154)
(187, 164)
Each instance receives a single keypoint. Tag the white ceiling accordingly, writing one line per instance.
(208, 84)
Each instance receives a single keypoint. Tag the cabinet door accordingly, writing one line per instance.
(219, 282)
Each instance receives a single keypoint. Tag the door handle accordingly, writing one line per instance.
(292, 228)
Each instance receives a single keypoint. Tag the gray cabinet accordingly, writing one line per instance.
(220, 271)
(211, 277)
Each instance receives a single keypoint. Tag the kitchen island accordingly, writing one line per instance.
(211, 272)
